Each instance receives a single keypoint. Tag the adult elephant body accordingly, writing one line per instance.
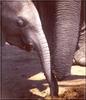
(61, 21)
(21, 26)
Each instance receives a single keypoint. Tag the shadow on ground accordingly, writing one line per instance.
(22, 78)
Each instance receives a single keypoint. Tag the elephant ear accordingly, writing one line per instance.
(2, 39)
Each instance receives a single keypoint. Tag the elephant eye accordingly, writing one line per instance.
(22, 22)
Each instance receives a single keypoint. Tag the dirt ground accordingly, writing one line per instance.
(22, 78)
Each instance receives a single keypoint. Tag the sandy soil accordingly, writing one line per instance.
(22, 78)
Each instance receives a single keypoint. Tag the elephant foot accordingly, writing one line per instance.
(79, 57)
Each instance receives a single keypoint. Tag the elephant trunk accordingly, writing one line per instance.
(39, 43)
(36, 37)
(42, 49)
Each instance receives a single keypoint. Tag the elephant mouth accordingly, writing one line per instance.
(28, 47)
(25, 46)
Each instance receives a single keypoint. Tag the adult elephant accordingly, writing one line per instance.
(61, 22)
(21, 26)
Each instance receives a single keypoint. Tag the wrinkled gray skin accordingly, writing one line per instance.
(61, 22)
(21, 26)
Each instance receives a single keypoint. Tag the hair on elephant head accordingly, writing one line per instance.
(21, 26)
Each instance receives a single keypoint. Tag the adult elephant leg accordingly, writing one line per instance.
(66, 37)
(79, 56)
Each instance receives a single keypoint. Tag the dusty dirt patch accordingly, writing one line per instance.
(75, 93)
(22, 77)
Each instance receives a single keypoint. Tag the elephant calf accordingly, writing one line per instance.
(21, 26)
